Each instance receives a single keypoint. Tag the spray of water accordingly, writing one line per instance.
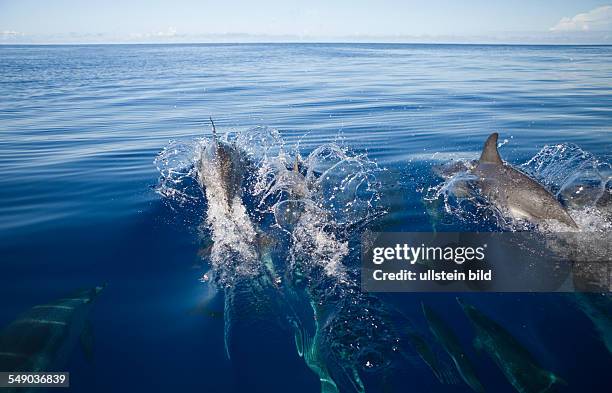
(580, 181)
(321, 202)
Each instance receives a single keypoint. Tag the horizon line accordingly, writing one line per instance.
(300, 42)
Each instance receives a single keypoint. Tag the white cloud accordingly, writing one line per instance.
(598, 19)
(10, 34)
(170, 32)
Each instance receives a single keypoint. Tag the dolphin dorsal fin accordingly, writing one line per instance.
(214, 129)
(296, 166)
(489, 152)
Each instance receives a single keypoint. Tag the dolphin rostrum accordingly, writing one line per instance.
(43, 338)
(517, 364)
(513, 192)
(452, 346)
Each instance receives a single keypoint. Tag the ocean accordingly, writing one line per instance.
(96, 187)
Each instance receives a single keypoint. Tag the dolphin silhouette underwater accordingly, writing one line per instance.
(424, 351)
(452, 346)
(513, 359)
(513, 193)
(598, 308)
(43, 338)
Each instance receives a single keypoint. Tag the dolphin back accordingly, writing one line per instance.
(222, 165)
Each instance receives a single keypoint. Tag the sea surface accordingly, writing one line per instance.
(98, 185)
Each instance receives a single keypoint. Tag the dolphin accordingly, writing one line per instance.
(517, 364)
(452, 346)
(426, 354)
(312, 342)
(221, 170)
(513, 192)
(43, 338)
(297, 190)
(290, 182)
(309, 345)
(294, 181)
(598, 308)
(240, 252)
(222, 167)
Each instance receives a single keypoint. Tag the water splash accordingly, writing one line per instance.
(322, 203)
(176, 166)
(579, 180)
(325, 211)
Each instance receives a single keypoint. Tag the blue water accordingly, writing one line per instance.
(81, 126)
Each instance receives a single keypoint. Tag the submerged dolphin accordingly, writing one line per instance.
(451, 345)
(598, 308)
(43, 337)
(426, 354)
(517, 364)
(513, 192)
(309, 345)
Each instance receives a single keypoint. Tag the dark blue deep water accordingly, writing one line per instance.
(81, 126)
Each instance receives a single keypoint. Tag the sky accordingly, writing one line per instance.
(478, 21)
